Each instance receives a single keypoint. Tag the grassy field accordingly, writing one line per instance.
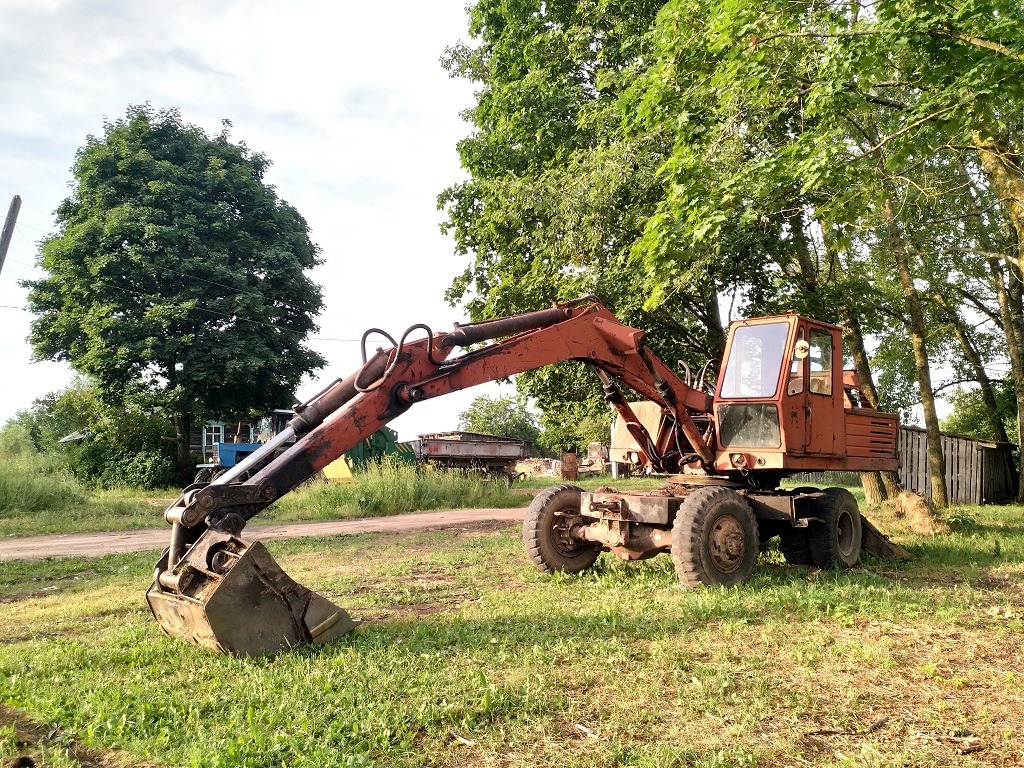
(470, 658)
(32, 506)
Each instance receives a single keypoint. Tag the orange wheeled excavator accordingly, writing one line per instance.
(782, 405)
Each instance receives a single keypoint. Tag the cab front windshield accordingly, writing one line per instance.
(755, 360)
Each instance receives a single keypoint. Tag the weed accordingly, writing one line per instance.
(961, 521)
(31, 482)
(387, 488)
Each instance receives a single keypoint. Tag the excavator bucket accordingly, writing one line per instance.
(232, 596)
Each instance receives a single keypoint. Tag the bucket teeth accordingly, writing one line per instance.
(232, 596)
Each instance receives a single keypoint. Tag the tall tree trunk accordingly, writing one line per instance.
(716, 332)
(918, 336)
(806, 265)
(182, 434)
(1006, 178)
(878, 486)
(980, 374)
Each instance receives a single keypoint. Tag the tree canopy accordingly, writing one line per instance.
(501, 416)
(855, 161)
(176, 277)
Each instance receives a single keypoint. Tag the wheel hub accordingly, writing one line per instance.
(726, 544)
(567, 544)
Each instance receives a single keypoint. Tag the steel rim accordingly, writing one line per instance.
(561, 534)
(727, 544)
(845, 533)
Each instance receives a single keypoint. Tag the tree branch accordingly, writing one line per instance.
(979, 42)
(949, 384)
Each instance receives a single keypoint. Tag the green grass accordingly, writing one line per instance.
(389, 488)
(93, 510)
(593, 482)
(384, 489)
(30, 482)
(464, 642)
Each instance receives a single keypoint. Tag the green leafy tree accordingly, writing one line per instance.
(845, 131)
(557, 195)
(176, 278)
(970, 414)
(502, 416)
(573, 434)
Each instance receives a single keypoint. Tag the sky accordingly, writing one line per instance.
(348, 100)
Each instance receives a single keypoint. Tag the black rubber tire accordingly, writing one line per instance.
(795, 547)
(835, 538)
(204, 475)
(544, 537)
(793, 542)
(714, 538)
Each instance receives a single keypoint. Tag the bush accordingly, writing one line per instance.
(124, 447)
(146, 470)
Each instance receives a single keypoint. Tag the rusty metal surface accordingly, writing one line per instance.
(626, 540)
(476, 449)
(727, 544)
(653, 508)
(570, 466)
(232, 597)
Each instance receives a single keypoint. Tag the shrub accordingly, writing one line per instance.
(145, 469)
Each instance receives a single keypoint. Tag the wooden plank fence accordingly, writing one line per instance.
(977, 471)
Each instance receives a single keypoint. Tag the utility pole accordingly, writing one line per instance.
(8, 233)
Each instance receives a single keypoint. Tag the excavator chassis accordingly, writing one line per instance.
(231, 596)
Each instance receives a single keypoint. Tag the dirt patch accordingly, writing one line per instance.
(406, 611)
(485, 528)
(34, 738)
(19, 596)
(461, 521)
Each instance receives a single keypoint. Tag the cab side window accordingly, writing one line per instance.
(796, 368)
(820, 359)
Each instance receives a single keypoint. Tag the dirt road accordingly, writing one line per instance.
(97, 544)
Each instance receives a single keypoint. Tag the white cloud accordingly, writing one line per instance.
(347, 99)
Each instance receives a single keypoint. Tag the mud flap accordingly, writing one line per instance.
(232, 596)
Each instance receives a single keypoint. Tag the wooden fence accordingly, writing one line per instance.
(977, 471)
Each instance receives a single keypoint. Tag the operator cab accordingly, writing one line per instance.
(780, 400)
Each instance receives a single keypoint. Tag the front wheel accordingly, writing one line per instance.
(547, 532)
(714, 538)
(835, 537)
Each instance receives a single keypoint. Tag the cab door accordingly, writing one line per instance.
(794, 403)
(824, 396)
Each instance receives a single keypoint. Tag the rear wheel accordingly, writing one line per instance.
(795, 547)
(547, 532)
(714, 538)
(793, 542)
(835, 537)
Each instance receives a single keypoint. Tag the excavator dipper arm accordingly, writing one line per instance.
(259, 607)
